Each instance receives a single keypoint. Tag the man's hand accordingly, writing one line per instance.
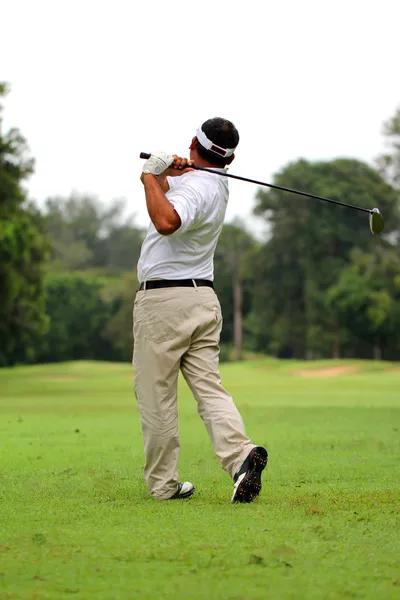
(163, 165)
(180, 166)
(177, 166)
(157, 163)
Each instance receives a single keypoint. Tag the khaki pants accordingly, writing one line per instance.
(179, 329)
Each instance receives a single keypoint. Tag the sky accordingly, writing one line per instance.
(94, 83)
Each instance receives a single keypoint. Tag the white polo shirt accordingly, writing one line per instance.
(200, 199)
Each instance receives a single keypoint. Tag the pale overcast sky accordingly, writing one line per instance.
(95, 82)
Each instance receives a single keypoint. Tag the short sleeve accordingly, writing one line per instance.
(187, 199)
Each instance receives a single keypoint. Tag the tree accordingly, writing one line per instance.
(389, 163)
(86, 234)
(366, 300)
(118, 330)
(78, 315)
(235, 246)
(23, 254)
(310, 243)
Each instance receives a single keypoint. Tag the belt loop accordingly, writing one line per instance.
(195, 285)
(144, 285)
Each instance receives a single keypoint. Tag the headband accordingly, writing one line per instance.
(209, 145)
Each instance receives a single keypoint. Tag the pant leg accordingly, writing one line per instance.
(158, 337)
(199, 366)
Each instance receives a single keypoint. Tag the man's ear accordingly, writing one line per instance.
(193, 144)
(230, 159)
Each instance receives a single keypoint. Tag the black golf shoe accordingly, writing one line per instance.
(185, 490)
(247, 481)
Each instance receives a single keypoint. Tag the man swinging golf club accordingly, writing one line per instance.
(177, 316)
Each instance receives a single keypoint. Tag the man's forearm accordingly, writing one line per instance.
(162, 214)
(162, 180)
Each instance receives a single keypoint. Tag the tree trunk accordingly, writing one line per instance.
(377, 352)
(336, 350)
(237, 316)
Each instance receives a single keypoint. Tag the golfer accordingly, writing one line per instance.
(177, 316)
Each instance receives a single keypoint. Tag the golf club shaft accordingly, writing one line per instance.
(270, 185)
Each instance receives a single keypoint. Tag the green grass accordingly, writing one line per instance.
(76, 519)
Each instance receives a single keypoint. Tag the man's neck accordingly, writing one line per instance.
(200, 162)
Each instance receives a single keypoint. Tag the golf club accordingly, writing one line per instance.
(376, 222)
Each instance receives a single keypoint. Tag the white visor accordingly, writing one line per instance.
(209, 145)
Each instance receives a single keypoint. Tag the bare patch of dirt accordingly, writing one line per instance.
(329, 372)
(313, 510)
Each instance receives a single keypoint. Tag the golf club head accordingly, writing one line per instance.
(376, 222)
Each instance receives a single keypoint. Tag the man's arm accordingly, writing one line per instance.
(164, 217)
(162, 180)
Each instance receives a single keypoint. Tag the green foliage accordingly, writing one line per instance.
(86, 234)
(321, 285)
(118, 330)
(311, 242)
(234, 253)
(234, 250)
(23, 252)
(389, 163)
(78, 316)
(366, 299)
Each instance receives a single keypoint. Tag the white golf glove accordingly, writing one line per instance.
(157, 163)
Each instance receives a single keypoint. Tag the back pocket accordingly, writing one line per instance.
(158, 322)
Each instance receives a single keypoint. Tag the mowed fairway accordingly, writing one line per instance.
(76, 519)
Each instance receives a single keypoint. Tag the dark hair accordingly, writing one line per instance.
(223, 133)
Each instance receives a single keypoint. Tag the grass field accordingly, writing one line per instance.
(76, 519)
